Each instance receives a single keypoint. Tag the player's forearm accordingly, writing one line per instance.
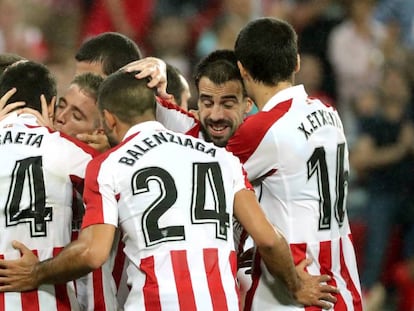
(279, 262)
(73, 262)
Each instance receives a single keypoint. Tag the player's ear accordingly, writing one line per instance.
(109, 119)
(249, 105)
(297, 64)
(243, 72)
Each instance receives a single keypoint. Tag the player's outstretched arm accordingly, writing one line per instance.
(78, 258)
(306, 289)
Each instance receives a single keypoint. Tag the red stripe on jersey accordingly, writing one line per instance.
(2, 306)
(325, 258)
(151, 289)
(256, 273)
(169, 105)
(98, 291)
(325, 261)
(78, 184)
(195, 130)
(298, 252)
(62, 298)
(30, 299)
(94, 211)
(251, 132)
(233, 265)
(356, 297)
(119, 263)
(211, 265)
(183, 280)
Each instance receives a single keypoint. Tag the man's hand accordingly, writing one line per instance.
(314, 290)
(3, 100)
(154, 68)
(44, 118)
(18, 275)
(97, 140)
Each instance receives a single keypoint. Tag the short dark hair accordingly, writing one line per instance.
(219, 66)
(89, 83)
(7, 59)
(125, 96)
(175, 86)
(31, 80)
(112, 49)
(267, 48)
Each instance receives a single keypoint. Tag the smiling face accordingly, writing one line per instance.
(76, 112)
(221, 109)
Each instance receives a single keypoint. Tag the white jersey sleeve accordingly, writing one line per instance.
(173, 117)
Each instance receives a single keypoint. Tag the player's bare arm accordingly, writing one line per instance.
(76, 259)
(275, 252)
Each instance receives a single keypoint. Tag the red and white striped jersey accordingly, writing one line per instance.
(296, 150)
(40, 169)
(176, 119)
(175, 216)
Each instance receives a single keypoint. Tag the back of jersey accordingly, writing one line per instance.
(175, 202)
(38, 171)
(298, 152)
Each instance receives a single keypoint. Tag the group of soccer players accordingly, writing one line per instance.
(192, 179)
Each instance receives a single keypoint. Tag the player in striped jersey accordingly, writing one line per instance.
(40, 170)
(222, 105)
(296, 150)
(173, 196)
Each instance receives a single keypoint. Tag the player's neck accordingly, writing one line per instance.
(263, 93)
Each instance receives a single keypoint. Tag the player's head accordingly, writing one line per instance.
(124, 102)
(178, 87)
(31, 80)
(106, 53)
(267, 49)
(77, 110)
(222, 99)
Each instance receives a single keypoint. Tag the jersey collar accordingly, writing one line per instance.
(144, 126)
(23, 118)
(284, 95)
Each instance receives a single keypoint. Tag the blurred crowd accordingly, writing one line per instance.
(356, 55)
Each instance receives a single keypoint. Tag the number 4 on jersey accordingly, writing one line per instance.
(27, 198)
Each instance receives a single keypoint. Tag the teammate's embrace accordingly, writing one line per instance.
(40, 170)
